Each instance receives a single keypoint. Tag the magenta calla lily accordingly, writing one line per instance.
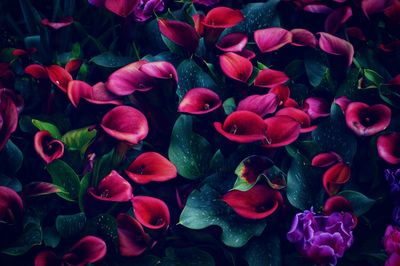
(236, 67)
(199, 101)
(125, 123)
(113, 188)
(151, 212)
(180, 33)
(337, 18)
(58, 24)
(336, 46)
(57, 75)
(326, 159)
(233, 42)
(271, 39)
(160, 70)
(269, 78)
(302, 37)
(121, 8)
(316, 107)
(11, 206)
(388, 146)
(300, 116)
(48, 148)
(8, 116)
(281, 131)
(259, 104)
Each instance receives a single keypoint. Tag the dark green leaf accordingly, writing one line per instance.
(66, 178)
(31, 236)
(360, 203)
(229, 106)
(12, 183)
(110, 60)
(11, 158)
(263, 251)
(70, 225)
(187, 257)
(50, 237)
(316, 64)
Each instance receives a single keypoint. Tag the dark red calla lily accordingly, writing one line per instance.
(8, 116)
(356, 33)
(269, 78)
(259, 104)
(343, 103)
(6, 75)
(233, 42)
(89, 249)
(271, 39)
(73, 65)
(365, 120)
(218, 19)
(242, 127)
(64, 22)
(337, 204)
(59, 76)
(302, 37)
(125, 123)
(37, 71)
(151, 212)
(338, 17)
(128, 79)
(257, 203)
(283, 93)
(199, 101)
(113, 188)
(281, 131)
(300, 116)
(316, 107)
(151, 167)
(335, 177)
(160, 70)
(198, 25)
(22, 52)
(35, 189)
(98, 94)
(121, 8)
(48, 148)
(180, 33)
(392, 12)
(388, 146)
(336, 46)
(326, 159)
(47, 258)
(290, 102)
(236, 67)
(133, 241)
(11, 206)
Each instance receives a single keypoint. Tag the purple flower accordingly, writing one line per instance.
(396, 215)
(323, 239)
(393, 178)
(146, 8)
(206, 2)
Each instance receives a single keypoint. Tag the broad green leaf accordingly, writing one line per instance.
(265, 250)
(374, 77)
(191, 256)
(66, 178)
(316, 65)
(110, 60)
(188, 151)
(52, 129)
(12, 183)
(360, 203)
(70, 225)
(51, 238)
(229, 106)
(79, 139)
(31, 236)
(104, 226)
(11, 158)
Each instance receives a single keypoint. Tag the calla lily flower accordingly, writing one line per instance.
(59, 24)
(338, 17)
(35, 189)
(316, 107)
(48, 148)
(151, 212)
(121, 8)
(233, 42)
(259, 104)
(365, 120)
(8, 116)
(300, 116)
(326, 159)
(199, 101)
(336, 46)
(271, 39)
(318, 9)
(11, 206)
(337, 204)
(356, 33)
(151, 167)
(125, 123)
(302, 37)
(160, 70)
(249, 54)
(242, 127)
(57, 75)
(98, 94)
(281, 131)
(113, 188)
(269, 78)
(388, 146)
(335, 177)
(198, 25)
(370, 7)
(236, 67)
(133, 241)
(283, 93)
(180, 33)
(73, 65)
(343, 103)
(257, 203)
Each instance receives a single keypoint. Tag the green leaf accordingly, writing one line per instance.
(66, 178)
(11, 158)
(85, 182)
(52, 129)
(191, 256)
(265, 250)
(205, 208)
(229, 105)
(360, 203)
(79, 139)
(334, 135)
(110, 60)
(316, 65)
(12, 183)
(188, 151)
(192, 76)
(295, 69)
(31, 236)
(374, 77)
(104, 226)
(50, 237)
(70, 225)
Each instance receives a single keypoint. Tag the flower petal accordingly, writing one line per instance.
(151, 212)
(281, 131)
(113, 188)
(272, 39)
(326, 159)
(180, 33)
(300, 116)
(121, 8)
(335, 176)
(338, 17)
(46, 147)
(199, 101)
(388, 146)
(160, 70)
(269, 78)
(11, 206)
(89, 249)
(222, 17)
(336, 46)
(259, 104)
(8, 116)
(233, 42)
(316, 107)
(302, 37)
(59, 76)
(64, 22)
(236, 67)
(37, 71)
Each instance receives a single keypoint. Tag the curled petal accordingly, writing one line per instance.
(128, 79)
(222, 17)
(337, 204)
(121, 8)
(242, 127)
(272, 39)
(269, 78)
(47, 148)
(257, 203)
(326, 159)
(259, 104)
(388, 146)
(370, 7)
(338, 17)
(283, 93)
(35, 189)
(11, 206)
(356, 33)
(318, 9)
(365, 120)
(37, 71)
(151, 167)
(233, 42)
(59, 76)
(300, 116)
(199, 101)
(160, 70)
(249, 54)
(180, 33)
(198, 25)
(281, 131)
(302, 37)
(336, 46)
(8, 116)
(47, 258)
(343, 102)
(133, 241)
(125, 123)
(316, 107)
(73, 65)
(290, 102)
(58, 25)
(113, 188)
(335, 176)
(151, 212)
(236, 67)
(390, 47)
(89, 249)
